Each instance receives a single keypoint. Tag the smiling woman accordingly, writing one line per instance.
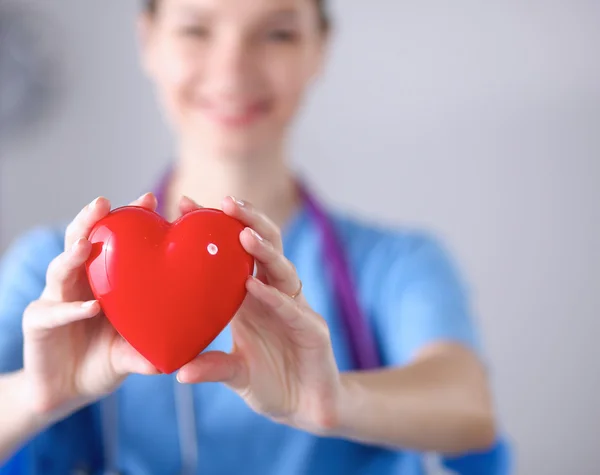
(232, 78)
(355, 350)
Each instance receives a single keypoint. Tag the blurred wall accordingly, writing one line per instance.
(478, 120)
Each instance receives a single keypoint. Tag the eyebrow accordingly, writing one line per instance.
(285, 14)
(187, 10)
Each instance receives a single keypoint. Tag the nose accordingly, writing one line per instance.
(231, 67)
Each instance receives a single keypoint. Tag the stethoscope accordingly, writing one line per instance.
(362, 343)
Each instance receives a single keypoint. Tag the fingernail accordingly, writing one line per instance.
(94, 203)
(238, 202)
(256, 235)
(88, 304)
(178, 377)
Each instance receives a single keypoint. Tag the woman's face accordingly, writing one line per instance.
(231, 73)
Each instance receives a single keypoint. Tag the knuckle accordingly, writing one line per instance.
(57, 275)
(74, 227)
(52, 271)
(272, 256)
(31, 307)
(291, 267)
(274, 245)
(72, 232)
(29, 315)
(56, 267)
(70, 228)
(277, 239)
(286, 268)
(322, 330)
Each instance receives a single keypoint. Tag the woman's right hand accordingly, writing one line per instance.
(72, 354)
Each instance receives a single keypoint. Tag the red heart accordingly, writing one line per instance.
(168, 289)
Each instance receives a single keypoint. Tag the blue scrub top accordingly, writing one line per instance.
(409, 290)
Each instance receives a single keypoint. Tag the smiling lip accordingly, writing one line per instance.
(235, 115)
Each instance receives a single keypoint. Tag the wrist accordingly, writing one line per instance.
(33, 417)
(37, 411)
(20, 422)
(338, 421)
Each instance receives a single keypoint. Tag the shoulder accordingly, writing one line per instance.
(22, 278)
(391, 250)
(410, 285)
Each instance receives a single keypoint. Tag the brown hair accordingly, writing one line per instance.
(150, 6)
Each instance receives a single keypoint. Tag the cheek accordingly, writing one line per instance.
(289, 82)
(179, 70)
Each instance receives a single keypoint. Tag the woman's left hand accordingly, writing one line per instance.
(282, 361)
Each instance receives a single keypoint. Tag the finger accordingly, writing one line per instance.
(278, 270)
(285, 307)
(125, 359)
(44, 315)
(87, 218)
(65, 269)
(83, 223)
(254, 219)
(147, 201)
(215, 367)
(310, 329)
(186, 205)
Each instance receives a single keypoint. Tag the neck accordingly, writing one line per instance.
(264, 182)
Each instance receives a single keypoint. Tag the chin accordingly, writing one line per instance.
(231, 146)
(235, 143)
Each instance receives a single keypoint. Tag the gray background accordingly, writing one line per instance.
(478, 120)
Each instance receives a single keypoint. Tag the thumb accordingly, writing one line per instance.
(125, 360)
(187, 205)
(216, 367)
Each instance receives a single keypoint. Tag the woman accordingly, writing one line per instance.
(297, 394)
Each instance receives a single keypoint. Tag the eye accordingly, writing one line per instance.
(282, 36)
(195, 32)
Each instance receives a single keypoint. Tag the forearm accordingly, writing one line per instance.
(18, 422)
(436, 404)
